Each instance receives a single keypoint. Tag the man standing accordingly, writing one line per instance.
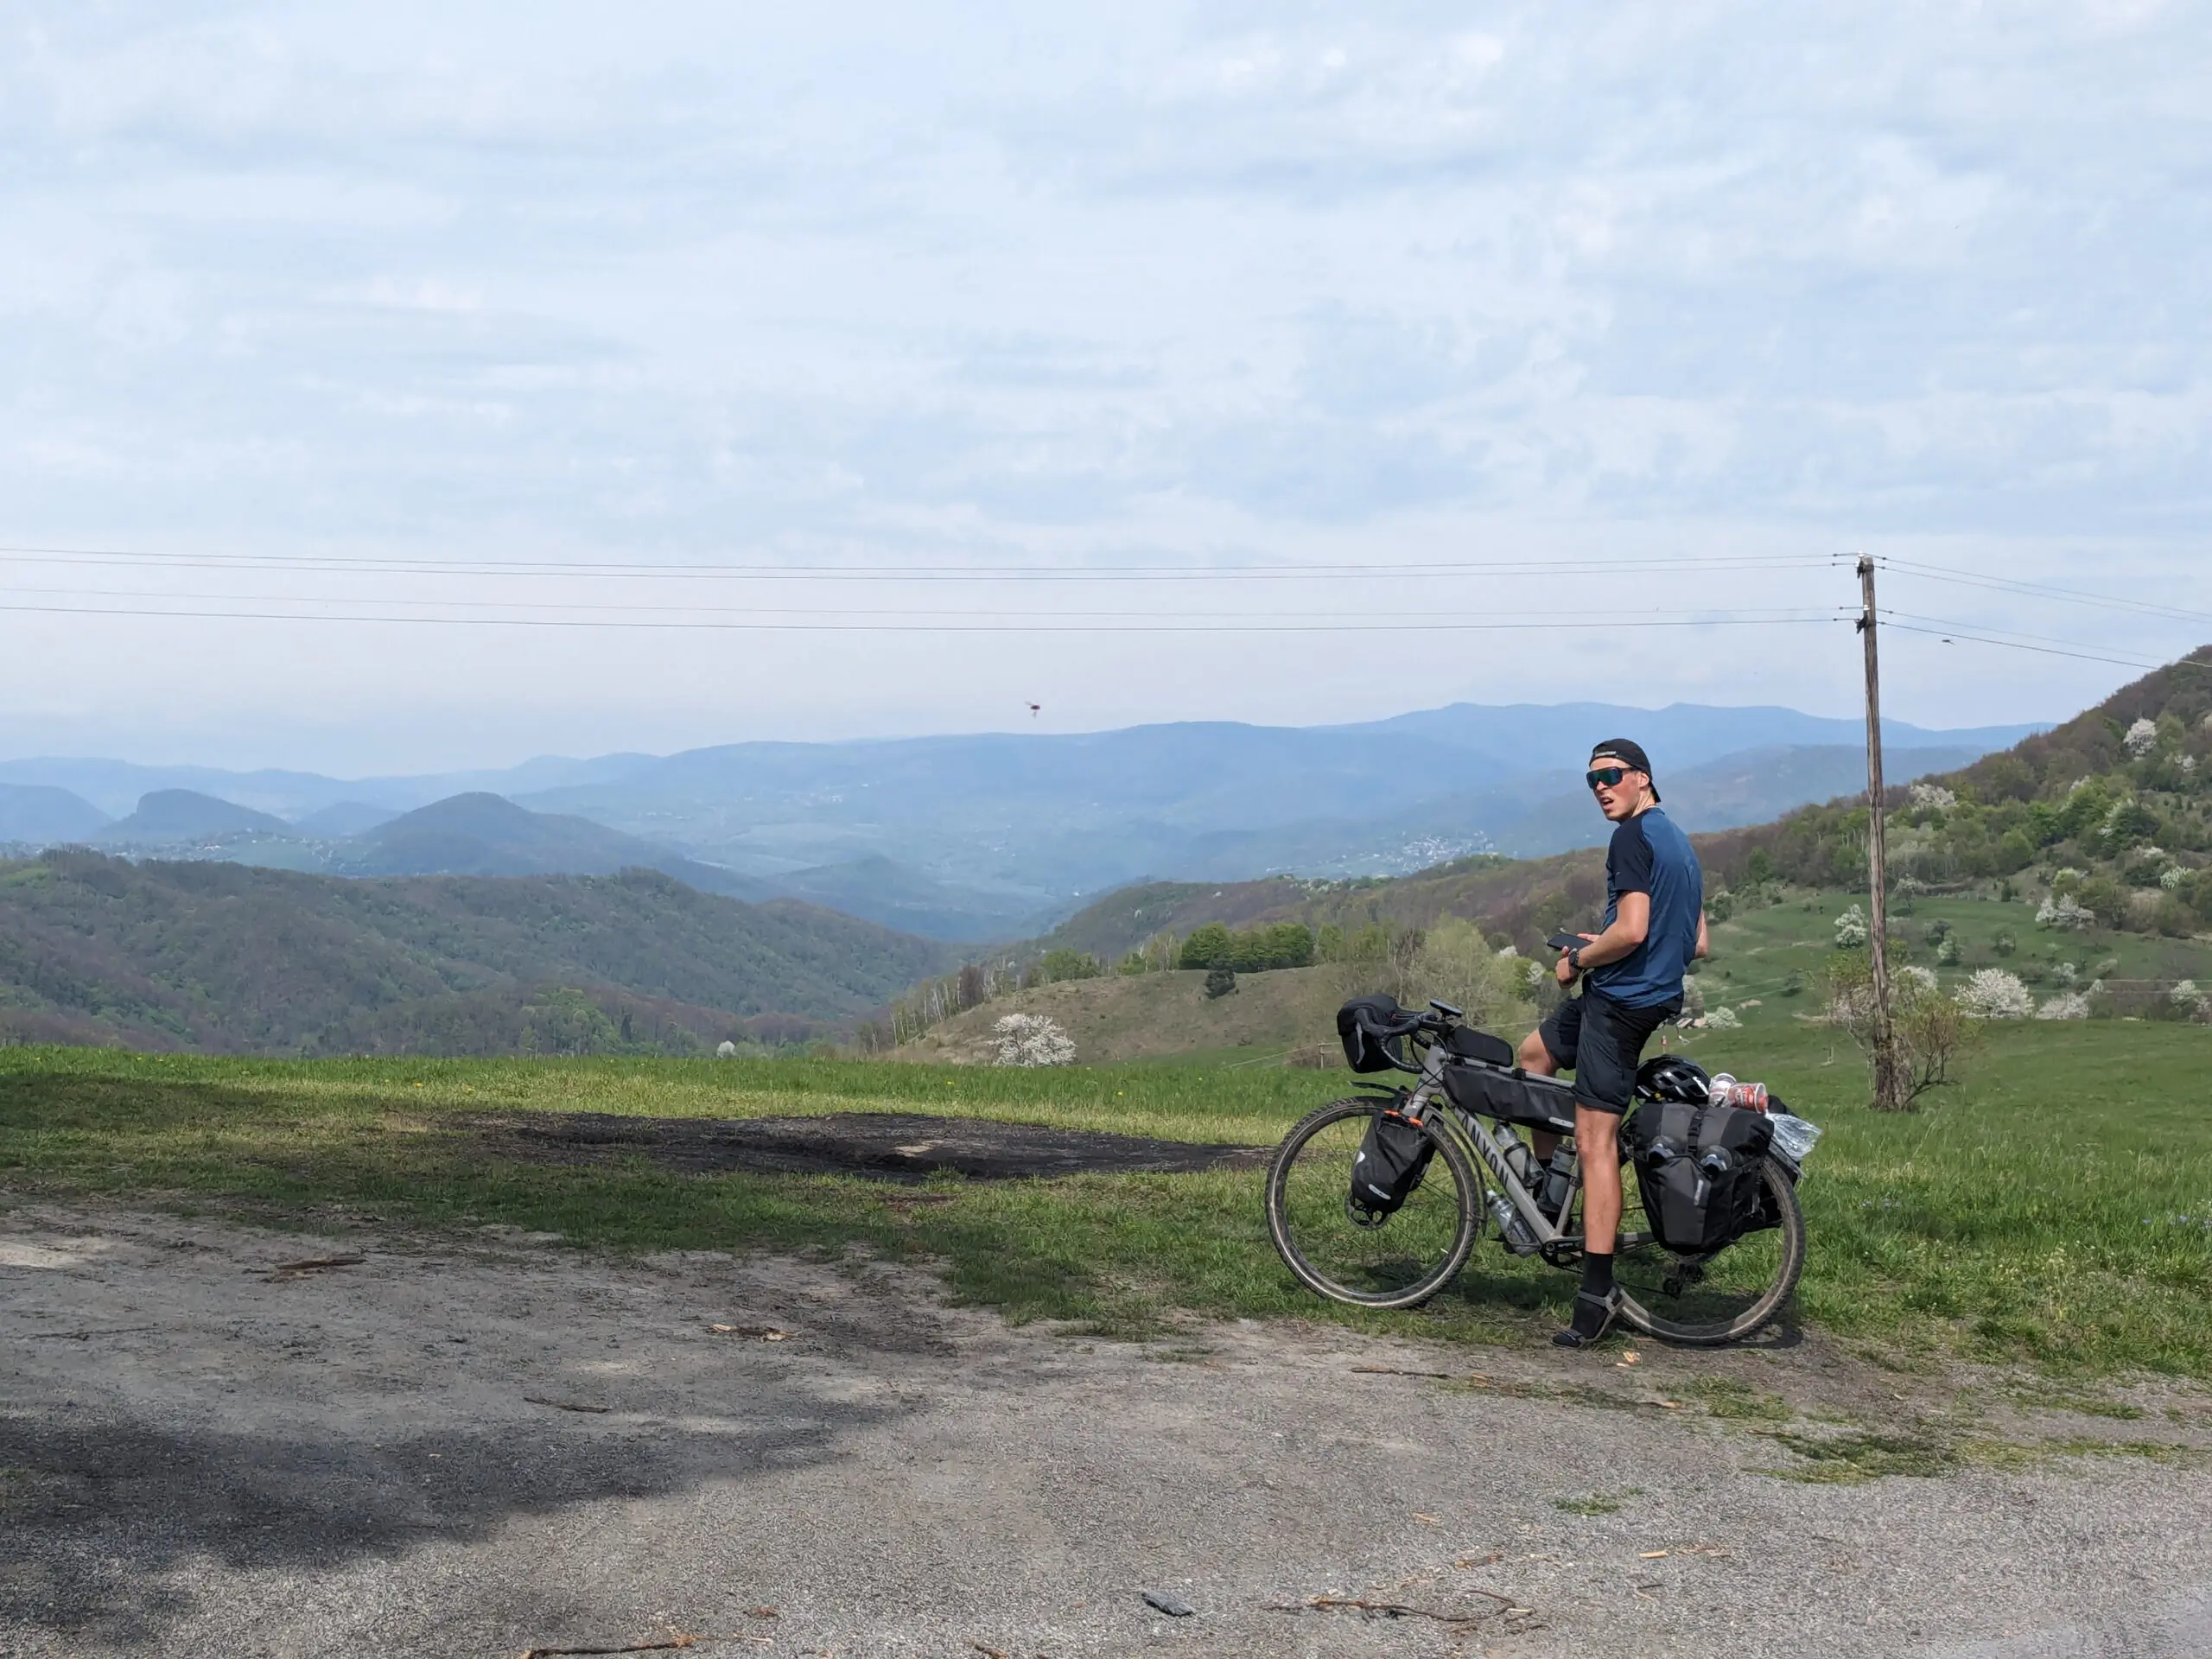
(1631, 973)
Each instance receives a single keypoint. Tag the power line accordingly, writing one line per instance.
(1803, 613)
(2039, 590)
(365, 565)
(1076, 624)
(1952, 631)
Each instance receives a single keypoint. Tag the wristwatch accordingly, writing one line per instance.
(1575, 957)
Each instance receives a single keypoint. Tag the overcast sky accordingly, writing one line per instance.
(914, 287)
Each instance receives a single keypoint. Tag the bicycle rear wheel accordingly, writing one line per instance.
(1707, 1301)
(1405, 1260)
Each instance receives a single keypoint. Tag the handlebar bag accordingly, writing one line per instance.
(1358, 1023)
(1702, 1171)
(1393, 1157)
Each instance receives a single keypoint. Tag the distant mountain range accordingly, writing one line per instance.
(992, 835)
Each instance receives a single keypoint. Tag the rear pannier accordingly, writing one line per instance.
(1702, 1170)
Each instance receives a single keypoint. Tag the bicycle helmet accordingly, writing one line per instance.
(1670, 1077)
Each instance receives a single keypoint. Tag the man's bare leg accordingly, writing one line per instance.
(1596, 1142)
(1596, 1149)
(1536, 1059)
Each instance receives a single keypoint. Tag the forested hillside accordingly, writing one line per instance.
(2106, 814)
(230, 959)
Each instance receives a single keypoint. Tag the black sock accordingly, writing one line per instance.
(1597, 1272)
(1597, 1281)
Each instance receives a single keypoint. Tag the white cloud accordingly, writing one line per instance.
(939, 283)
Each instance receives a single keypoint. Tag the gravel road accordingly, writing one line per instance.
(481, 1449)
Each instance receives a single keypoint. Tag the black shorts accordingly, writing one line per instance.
(1601, 1041)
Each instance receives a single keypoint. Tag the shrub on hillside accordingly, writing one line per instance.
(2064, 912)
(1931, 1032)
(1992, 993)
(2068, 1005)
(1030, 1039)
(1852, 931)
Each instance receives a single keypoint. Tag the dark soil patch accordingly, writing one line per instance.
(887, 1145)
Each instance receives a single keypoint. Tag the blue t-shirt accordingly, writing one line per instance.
(1649, 853)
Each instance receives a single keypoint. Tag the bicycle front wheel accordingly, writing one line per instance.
(1707, 1302)
(1403, 1261)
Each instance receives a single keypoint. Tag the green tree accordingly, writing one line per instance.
(1062, 964)
(1220, 980)
(1207, 944)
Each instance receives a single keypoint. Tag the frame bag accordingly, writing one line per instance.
(1702, 1170)
(1393, 1157)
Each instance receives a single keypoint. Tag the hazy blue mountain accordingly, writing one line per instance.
(882, 889)
(1543, 737)
(486, 835)
(178, 815)
(43, 816)
(116, 786)
(965, 836)
(344, 819)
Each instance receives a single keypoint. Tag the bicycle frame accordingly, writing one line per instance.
(1482, 1140)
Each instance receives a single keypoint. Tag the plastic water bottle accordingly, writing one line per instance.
(1793, 1135)
(1557, 1180)
(1511, 1228)
(1516, 1154)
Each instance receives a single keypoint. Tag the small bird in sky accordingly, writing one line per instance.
(1034, 707)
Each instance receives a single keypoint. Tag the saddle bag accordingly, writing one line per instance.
(1393, 1157)
(1702, 1171)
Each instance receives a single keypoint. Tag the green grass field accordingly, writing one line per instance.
(2055, 1209)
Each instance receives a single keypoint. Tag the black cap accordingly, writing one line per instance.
(1630, 753)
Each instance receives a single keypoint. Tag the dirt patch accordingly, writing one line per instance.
(883, 1145)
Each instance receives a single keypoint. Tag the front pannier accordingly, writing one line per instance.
(1364, 1050)
(1393, 1157)
(1702, 1170)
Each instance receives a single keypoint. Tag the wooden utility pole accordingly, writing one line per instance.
(1889, 1077)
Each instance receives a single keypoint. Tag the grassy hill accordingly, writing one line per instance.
(1150, 1016)
(225, 958)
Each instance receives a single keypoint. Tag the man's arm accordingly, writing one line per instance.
(1631, 922)
(1704, 938)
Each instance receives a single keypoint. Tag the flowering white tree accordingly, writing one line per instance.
(2186, 997)
(1992, 993)
(2064, 912)
(1033, 1040)
(2141, 738)
(2072, 1005)
(1933, 794)
(1723, 1019)
(2172, 876)
(1916, 977)
(1851, 929)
